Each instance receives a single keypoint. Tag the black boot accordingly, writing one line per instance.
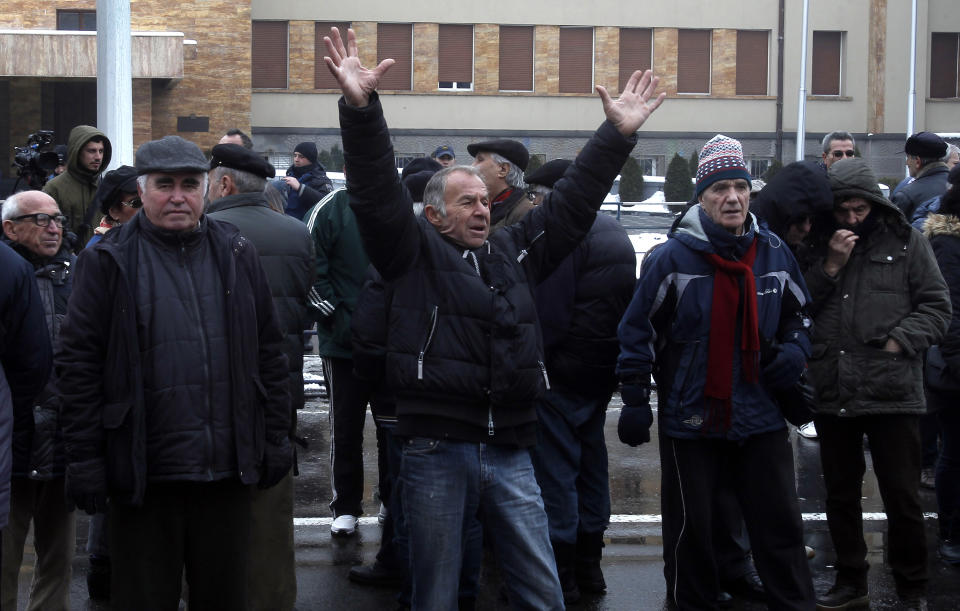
(98, 578)
(589, 551)
(565, 554)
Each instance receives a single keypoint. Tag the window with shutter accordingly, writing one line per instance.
(576, 60)
(516, 58)
(752, 49)
(827, 60)
(636, 52)
(395, 40)
(82, 20)
(322, 79)
(269, 55)
(455, 57)
(945, 65)
(693, 61)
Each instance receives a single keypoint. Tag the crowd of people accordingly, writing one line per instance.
(151, 364)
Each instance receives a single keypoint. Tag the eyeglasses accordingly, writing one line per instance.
(43, 220)
(841, 154)
(136, 202)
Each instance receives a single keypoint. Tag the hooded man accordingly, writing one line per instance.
(88, 154)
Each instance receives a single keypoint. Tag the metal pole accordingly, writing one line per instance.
(912, 95)
(802, 97)
(114, 81)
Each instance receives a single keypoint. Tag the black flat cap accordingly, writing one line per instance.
(419, 165)
(240, 158)
(511, 150)
(113, 186)
(170, 154)
(925, 144)
(416, 183)
(549, 173)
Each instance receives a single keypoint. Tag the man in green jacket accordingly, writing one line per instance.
(879, 303)
(88, 154)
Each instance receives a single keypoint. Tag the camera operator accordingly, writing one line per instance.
(88, 154)
(35, 161)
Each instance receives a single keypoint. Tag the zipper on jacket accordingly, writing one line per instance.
(543, 370)
(426, 345)
(205, 347)
(490, 420)
(525, 251)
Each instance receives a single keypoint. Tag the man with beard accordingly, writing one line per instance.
(88, 154)
(306, 180)
(879, 303)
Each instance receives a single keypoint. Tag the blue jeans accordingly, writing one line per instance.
(444, 483)
(570, 460)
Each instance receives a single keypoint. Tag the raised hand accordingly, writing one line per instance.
(356, 82)
(633, 107)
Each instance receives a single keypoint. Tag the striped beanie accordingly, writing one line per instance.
(720, 159)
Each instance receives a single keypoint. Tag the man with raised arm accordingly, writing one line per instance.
(464, 355)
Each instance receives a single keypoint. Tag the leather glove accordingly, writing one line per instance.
(86, 486)
(636, 417)
(784, 369)
(277, 462)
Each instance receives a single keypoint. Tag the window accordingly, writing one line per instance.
(322, 79)
(576, 60)
(516, 58)
(395, 40)
(759, 167)
(280, 161)
(827, 54)
(269, 51)
(650, 165)
(636, 52)
(693, 61)
(752, 62)
(83, 21)
(402, 159)
(455, 57)
(945, 65)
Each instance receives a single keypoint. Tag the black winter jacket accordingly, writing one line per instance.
(464, 353)
(286, 253)
(105, 424)
(943, 230)
(932, 182)
(580, 306)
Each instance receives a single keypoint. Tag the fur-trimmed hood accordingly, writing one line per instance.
(942, 224)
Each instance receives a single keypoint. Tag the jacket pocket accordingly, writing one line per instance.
(428, 340)
(822, 371)
(118, 428)
(43, 444)
(888, 377)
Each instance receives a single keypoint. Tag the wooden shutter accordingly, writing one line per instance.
(752, 49)
(826, 63)
(269, 51)
(576, 60)
(693, 61)
(516, 58)
(635, 52)
(944, 68)
(455, 53)
(395, 40)
(322, 79)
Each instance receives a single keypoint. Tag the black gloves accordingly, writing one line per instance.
(277, 461)
(86, 486)
(783, 371)
(636, 416)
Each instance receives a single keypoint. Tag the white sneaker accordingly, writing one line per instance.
(808, 431)
(344, 525)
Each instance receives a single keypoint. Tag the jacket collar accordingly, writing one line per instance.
(237, 200)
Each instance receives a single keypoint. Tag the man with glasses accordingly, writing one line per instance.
(33, 227)
(836, 146)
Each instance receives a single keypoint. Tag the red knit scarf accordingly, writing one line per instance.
(727, 298)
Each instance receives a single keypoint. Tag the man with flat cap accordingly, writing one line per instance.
(925, 152)
(501, 164)
(237, 179)
(445, 156)
(171, 364)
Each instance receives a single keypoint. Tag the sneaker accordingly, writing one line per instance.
(811, 553)
(344, 525)
(843, 596)
(928, 478)
(382, 514)
(808, 430)
(376, 575)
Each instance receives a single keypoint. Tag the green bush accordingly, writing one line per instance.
(536, 161)
(694, 162)
(631, 181)
(677, 186)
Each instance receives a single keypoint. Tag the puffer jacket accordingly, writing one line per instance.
(25, 358)
(37, 445)
(929, 183)
(286, 253)
(580, 306)
(464, 345)
(666, 329)
(890, 288)
(74, 190)
(99, 365)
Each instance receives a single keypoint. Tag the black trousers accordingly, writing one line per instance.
(348, 410)
(201, 527)
(760, 471)
(895, 449)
